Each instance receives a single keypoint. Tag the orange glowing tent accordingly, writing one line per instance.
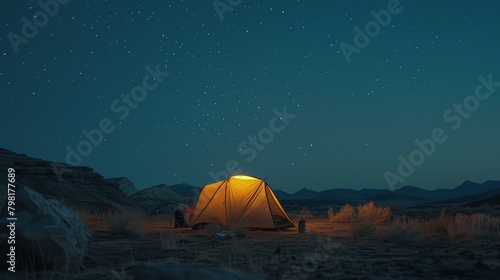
(240, 202)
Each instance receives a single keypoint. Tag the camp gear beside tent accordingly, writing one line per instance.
(224, 235)
(302, 226)
(180, 222)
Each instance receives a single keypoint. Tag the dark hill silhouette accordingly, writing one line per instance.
(406, 196)
(159, 197)
(185, 189)
(410, 190)
(469, 188)
(307, 193)
(491, 201)
(470, 198)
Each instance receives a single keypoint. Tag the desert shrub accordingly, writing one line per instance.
(474, 226)
(346, 214)
(437, 226)
(412, 224)
(371, 213)
(361, 230)
(367, 213)
(464, 226)
(403, 230)
(330, 213)
(124, 223)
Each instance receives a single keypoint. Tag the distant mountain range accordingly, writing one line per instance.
(81, 187)
(468, 192)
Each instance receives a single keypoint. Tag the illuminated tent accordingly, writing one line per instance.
(240, 201)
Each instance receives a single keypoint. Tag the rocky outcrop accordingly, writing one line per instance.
(161, 198)
(149, 271)
(77, 186)
(125, 185)
(48, 234)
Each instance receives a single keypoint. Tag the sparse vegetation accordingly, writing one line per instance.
(305, 213)
(115, 222)
(400, 235)
(364, 220)
(124, 223)
(463, 226)
(376, 226)
(361, 230)
(169, 242)
(370, 213)
(346, 214)
(367, 213)
(95, 221)
(453, 226)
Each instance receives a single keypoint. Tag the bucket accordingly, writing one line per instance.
(302, 226)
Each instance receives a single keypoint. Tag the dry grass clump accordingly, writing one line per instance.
(453, 226)
(370, 213)
(412, 224)
(90, 220)
(362, 219)
(346, 214)
(305, 213)
(464, 226)
(367, 213)
(124, 223)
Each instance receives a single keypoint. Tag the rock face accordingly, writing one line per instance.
(77, 186)
(148, 271)
(49, 235)
(125, 185)
(160, 197)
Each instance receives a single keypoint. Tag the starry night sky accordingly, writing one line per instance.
(352, 120)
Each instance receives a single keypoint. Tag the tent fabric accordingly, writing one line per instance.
(240, 201)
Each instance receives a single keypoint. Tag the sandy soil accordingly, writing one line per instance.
(326, 252)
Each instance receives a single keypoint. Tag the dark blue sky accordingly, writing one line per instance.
(347, 122)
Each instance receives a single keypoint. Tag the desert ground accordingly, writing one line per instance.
(336, 246)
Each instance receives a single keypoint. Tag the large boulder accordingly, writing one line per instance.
(159, 271)
(48, 234)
